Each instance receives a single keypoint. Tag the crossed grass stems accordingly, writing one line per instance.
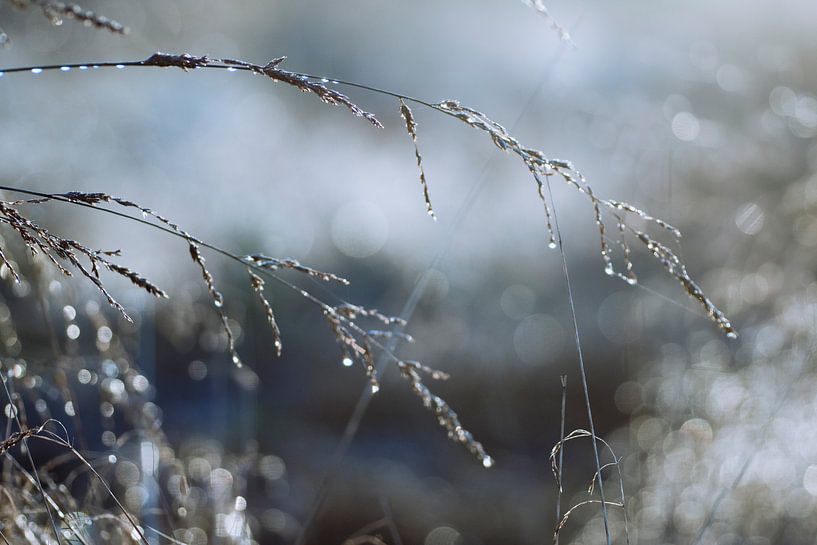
(357, 345)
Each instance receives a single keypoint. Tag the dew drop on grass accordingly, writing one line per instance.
(120, 66)
(65, 68)
(36, 70)
(375, 388)
(232, 69)
(552, 244)
(487, 462)
(347, 361)
(83, 67)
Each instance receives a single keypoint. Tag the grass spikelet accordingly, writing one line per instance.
(270, 70)
(56, 248)
(353, 311)
(327, 95)
(218, 299)
(57, 11)
(411, 127)
(274, 264)
(257, 284)
(446, 417)
(184, 61)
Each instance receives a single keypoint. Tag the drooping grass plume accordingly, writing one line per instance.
(411, 127)
(446, 416)
(556, 455)
(270, 70)
(56, 12)
(541, 167)
(257, 284)
(65, 254)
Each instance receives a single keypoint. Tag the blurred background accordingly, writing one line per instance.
(702, 114)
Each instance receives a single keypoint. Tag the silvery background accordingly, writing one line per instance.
(702, 113)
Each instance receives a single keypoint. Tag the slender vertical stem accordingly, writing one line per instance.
(582, 371)
(563, 380)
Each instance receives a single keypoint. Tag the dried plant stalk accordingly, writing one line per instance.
(257, 284)
(446, 416)
(274, 264)
(411, 127)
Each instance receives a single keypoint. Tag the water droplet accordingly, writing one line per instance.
(118, 66)
(237, 360)
(324, 80)
(375, 388)
(83, 67)
(36, 70)
(218, 303)
(347, 361)
(608, 269)
(632, 280)
(232, 69)
(732, 335)
(1, 74)
(487, 461)
(336, 82)
(95, 67)
(552, 244)
(65, 68)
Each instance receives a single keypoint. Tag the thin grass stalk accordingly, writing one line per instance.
(582, 371)
(563, 381)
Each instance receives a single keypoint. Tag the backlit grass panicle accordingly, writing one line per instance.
(257, 284)
(57, 11)
(411, 127)
(270, 70)
(218, 300)
(274, 264)
(64, 253)
(446, 416)
(351, 312)
(542, 167)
